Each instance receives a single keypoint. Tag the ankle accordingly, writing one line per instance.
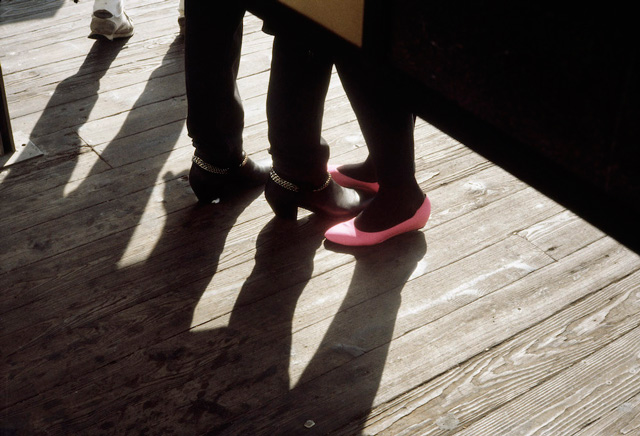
(363, 171)
(229, 161)
(307, 181)
(390, 207)
(114, 7)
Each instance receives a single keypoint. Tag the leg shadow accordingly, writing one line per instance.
(256, 365)
(339, 385)
(48, 9)
(70, 107)
(126, 362)
(202, 379)
(358, 339)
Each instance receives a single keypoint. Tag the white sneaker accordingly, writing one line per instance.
(105, 24)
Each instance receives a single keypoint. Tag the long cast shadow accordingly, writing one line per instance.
(144, 369)
(363, 325)
(235, 379)
(69, 107)
(76, 295)
(135, 366)
(139, 367)
(50, 9)
(339, 385)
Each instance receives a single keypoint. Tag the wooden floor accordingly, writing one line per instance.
(126, 309)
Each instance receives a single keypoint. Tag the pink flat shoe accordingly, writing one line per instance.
(350, 182)
(346, 232)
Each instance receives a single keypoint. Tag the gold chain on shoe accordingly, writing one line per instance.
(217, 170)
(293, 187)
(325, 184)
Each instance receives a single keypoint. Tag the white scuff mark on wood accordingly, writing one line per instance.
(447, 422)
(309, 423)
(423, 177)
(476, 188)
(470, 288)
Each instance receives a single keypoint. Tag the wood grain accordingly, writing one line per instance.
(125, 308)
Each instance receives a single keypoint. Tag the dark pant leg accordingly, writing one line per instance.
(215, 118)
(386, 120)
(295, 105)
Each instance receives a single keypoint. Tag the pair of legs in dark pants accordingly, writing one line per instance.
(215, 120)
(295, 123)
(297, 90)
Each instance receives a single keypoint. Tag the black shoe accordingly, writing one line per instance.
(209, 182)
(330, 199)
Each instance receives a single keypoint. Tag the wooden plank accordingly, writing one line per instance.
(119, 183)
(259, 322)
(559, 235)
(72, 34)
(121, 74)
(28, 24)
(127, 66)
(24, 184)
(136, 177)
(100, 219)
(91, 265)
(131, 179)
(133, 102)
(64, 147)
(572, 400)
(624, 419)
(329, 400)
(451, 205)
(22, 10)
(465, 246)
(99, 132)
(48, 270)
(114, 66)
(134, 200)
(477, 387)
(24, 17)
(125, 309)
(50, 171)
(78, 195)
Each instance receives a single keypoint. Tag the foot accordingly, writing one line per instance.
(390, 207)
(350, 233)
(363, 171)
(331, 199)
(106, 25)
(335, 201)
(356, 176)
(210, 183)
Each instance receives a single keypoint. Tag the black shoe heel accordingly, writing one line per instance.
(204, 185)
(283, 203)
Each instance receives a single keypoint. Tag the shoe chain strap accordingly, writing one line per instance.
(293, 187)
(214, 169)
